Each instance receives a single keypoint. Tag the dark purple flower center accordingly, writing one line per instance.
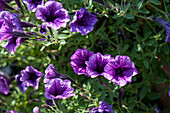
(99, 69)
(59, 92)
(80, 21)
(32, 76)
(119, 71)
(51, 17)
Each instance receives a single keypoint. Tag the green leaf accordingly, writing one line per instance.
(153, 96)
(156, 2)
(129, 16)
(139, 5)
(146, 63)
(166, 49)
(143, 91)
(144, 11)
(127, 7)
(125, 47)
(116, 16)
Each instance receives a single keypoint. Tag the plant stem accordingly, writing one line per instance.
(157, 9)
(57, 106)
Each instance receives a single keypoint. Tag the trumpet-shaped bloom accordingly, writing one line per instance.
(4, 88)
(58, 89)
(28, 77)
(78, 60)
(33, 4)
(31, 76)
(53, 14)
(5, 25)
(120, 70)
(166, 25)
(83, 22)
(50, 73)
(8, 23)
(96, 64)
(103, 108)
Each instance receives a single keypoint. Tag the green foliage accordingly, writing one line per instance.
(142, 39)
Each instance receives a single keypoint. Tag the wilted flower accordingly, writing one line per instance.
(33, 4)
(83, 22)
(120, 70)
(103, 108)
(166, 25)
(43, 29)
(96, 64)
(49, 102)
(58, 89)
(36, 109)
(53, 14)
(11, 111)
(4, 88)
(78, 60)
(28, 77)
(12, 44)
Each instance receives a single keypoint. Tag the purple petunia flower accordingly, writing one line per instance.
(4, 87)
(33, 4)
(96, 64)
(166, 25)
(78, 60)
(7, 25)
(120, 70)
(12, 44)
(50, 73)
(103, 108)
(36, 109)
(28, 77)
(21, 85)
(83, 22)
(58, 89)
(43, 29)
(11, 111)
(31, 76)
(53, 14)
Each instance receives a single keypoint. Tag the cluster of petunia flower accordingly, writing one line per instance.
(55, 16)
(58, 86)
(52, 14)
(118, 70)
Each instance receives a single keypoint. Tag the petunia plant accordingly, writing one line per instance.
(84, 56)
